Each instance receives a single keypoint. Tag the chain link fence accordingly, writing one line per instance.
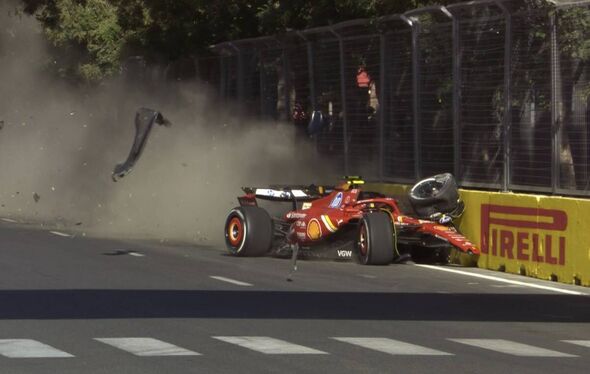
(494, 91)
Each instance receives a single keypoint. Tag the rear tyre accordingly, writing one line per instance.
(248, 231)
(375, 239)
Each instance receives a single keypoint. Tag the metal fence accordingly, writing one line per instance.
(494, 91)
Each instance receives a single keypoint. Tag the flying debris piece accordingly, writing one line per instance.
(144, 121)
(36, 197)
(295, 249)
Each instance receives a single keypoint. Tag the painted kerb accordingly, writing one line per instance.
(545, 237)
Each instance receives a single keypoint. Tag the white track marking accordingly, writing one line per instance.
(269, 346)
(507, 286)
(27, 348)
(498, 279)
(127, 252)
(583, 343)
(393, 347)
(147, 347)
(232, 281)
(511, 348)
(8, 220)
(136, 254)
(60, 234)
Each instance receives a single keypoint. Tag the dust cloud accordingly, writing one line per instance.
(59, 144)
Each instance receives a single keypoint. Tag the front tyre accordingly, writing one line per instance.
(248, 231)
(376, 239)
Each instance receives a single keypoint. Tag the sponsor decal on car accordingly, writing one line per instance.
(344, 253)
(525, 234)
(296, 215)
(305, 206)
(314, 229)
(337, 201)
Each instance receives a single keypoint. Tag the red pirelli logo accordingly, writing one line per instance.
(512, 232)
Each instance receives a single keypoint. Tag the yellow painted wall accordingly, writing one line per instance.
(546, 237)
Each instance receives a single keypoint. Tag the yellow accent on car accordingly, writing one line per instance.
(328, 223)
(356, 181)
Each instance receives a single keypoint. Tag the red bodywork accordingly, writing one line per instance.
(322, 217)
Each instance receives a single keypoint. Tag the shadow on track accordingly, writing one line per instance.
(111, 304)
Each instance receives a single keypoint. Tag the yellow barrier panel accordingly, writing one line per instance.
(545, 237)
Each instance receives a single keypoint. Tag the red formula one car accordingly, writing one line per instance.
(345, 222)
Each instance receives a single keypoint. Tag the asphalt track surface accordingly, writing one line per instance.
(82, 305)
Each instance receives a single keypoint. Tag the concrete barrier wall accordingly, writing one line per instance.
(545, 237)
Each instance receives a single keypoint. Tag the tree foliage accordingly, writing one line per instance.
(93, 26)
(103, 32)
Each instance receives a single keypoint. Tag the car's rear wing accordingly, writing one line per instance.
(283, 193)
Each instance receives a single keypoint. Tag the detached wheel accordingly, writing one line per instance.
(248, 231)
(437, 194)
(375, 239)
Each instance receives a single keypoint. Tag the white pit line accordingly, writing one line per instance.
(232, 281)
(9, 220)
(503, 280)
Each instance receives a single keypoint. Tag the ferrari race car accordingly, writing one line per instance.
(347, 223)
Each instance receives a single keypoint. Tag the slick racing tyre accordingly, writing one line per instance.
(376, 239)
(248, 231)
(437, 194)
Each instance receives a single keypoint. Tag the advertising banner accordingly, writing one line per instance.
(541, 236)
(545, 237)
